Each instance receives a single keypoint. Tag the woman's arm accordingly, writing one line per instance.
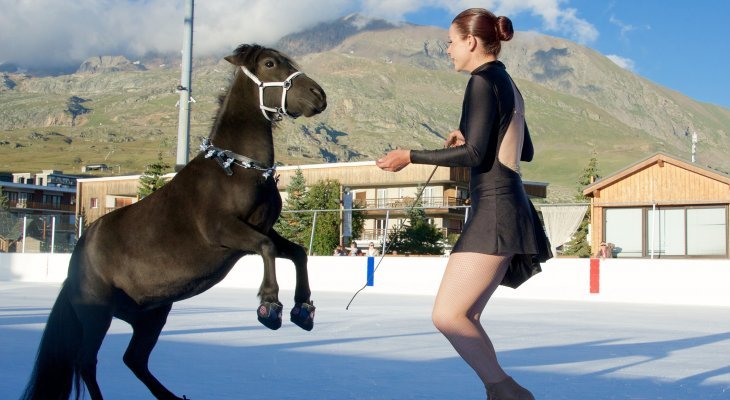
(479, 115)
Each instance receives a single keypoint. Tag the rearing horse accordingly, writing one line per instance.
(184, 238)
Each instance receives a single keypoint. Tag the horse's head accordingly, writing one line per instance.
(283, 89)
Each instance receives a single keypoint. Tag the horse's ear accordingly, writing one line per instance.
(233, 59)
(242, 54)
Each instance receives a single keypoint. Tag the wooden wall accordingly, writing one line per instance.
(659, 180)
(664, 184)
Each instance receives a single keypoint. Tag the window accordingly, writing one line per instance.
(381, 198)
(94, 202)
(707, 231)
(624, 229)
(427, 198)
(380, 229)
(668, 231)
(665, 235)
(52, 200)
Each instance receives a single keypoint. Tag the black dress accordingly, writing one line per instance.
(502, 218)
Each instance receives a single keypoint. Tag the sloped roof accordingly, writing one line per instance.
(657, 158)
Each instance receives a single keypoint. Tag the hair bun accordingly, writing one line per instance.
(505, 31)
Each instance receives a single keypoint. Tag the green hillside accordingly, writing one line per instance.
(386, 88)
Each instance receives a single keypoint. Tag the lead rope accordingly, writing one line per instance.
(387, 247)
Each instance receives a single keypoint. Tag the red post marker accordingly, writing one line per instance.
(595, 275)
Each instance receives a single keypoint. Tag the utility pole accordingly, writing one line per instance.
(183, 128)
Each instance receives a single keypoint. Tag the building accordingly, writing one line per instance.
(662, 207)
(384, 196)
(47, 201)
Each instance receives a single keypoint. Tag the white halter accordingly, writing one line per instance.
(285, 85)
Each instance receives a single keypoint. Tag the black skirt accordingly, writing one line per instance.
(503, 221)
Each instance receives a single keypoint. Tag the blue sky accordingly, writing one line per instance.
(682, 45)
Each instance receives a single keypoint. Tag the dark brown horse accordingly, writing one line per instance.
(184, 238)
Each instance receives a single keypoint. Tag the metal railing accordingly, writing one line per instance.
(36, 234)
(45, 206)
(404, 202)
(46, 233)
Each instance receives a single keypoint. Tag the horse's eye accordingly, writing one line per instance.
(269, 64)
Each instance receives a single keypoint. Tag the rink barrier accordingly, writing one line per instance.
(677, 281)
(595, 276)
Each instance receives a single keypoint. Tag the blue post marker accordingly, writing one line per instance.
(371, 270)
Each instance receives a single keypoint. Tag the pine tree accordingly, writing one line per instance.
(417, 236)
(3, 200)
(579, 245)
(325, 195)
(295, 226)
(152, 179)
(82, 222)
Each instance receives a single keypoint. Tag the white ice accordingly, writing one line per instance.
(385, 347)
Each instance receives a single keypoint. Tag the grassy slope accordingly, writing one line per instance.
(376, 103)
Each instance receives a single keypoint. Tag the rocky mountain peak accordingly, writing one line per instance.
(100, 64)
(327, 35)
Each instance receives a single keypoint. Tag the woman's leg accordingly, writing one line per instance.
(469, 281)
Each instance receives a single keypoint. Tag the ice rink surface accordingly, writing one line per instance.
(385, 347)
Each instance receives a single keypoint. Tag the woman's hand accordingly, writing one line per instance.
(455, 138)
(394, 161)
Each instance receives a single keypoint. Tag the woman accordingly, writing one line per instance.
(503, 240)
(372, 251)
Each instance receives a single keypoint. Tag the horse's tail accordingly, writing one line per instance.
(54, 373)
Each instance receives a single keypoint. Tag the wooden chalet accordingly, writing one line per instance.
(662, 207)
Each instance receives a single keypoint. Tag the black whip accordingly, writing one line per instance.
(387, 247)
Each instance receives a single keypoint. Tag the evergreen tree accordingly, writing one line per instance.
(417, 236)
(3, 200)
(82, 222)
(579, 245)
(295, 226)
(152, 179)
(358, 220)
(325, 195)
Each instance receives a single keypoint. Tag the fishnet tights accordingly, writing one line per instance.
(469, 281)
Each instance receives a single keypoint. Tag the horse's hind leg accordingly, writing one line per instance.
(147, 326)
(302, 313)
(95, 321)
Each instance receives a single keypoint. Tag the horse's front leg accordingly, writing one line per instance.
(303, 312)
(245, 237)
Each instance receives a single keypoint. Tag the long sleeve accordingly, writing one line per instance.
(479, 116)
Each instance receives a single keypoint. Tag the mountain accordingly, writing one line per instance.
(388, 86)
(327, 35)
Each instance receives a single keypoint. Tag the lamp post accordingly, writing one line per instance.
(183, 128)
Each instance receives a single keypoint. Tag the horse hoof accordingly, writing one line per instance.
(270, 315)
(303, 315)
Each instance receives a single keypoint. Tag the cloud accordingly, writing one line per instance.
(42, 33)
(37, 33)
(625, 63)
(555, 17)
(623, 27)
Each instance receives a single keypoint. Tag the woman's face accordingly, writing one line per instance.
(459, 49)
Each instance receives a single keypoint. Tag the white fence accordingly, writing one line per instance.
(681, 282)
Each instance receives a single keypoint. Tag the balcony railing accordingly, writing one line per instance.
(34, 205)
(401, 202)
(377, 234)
